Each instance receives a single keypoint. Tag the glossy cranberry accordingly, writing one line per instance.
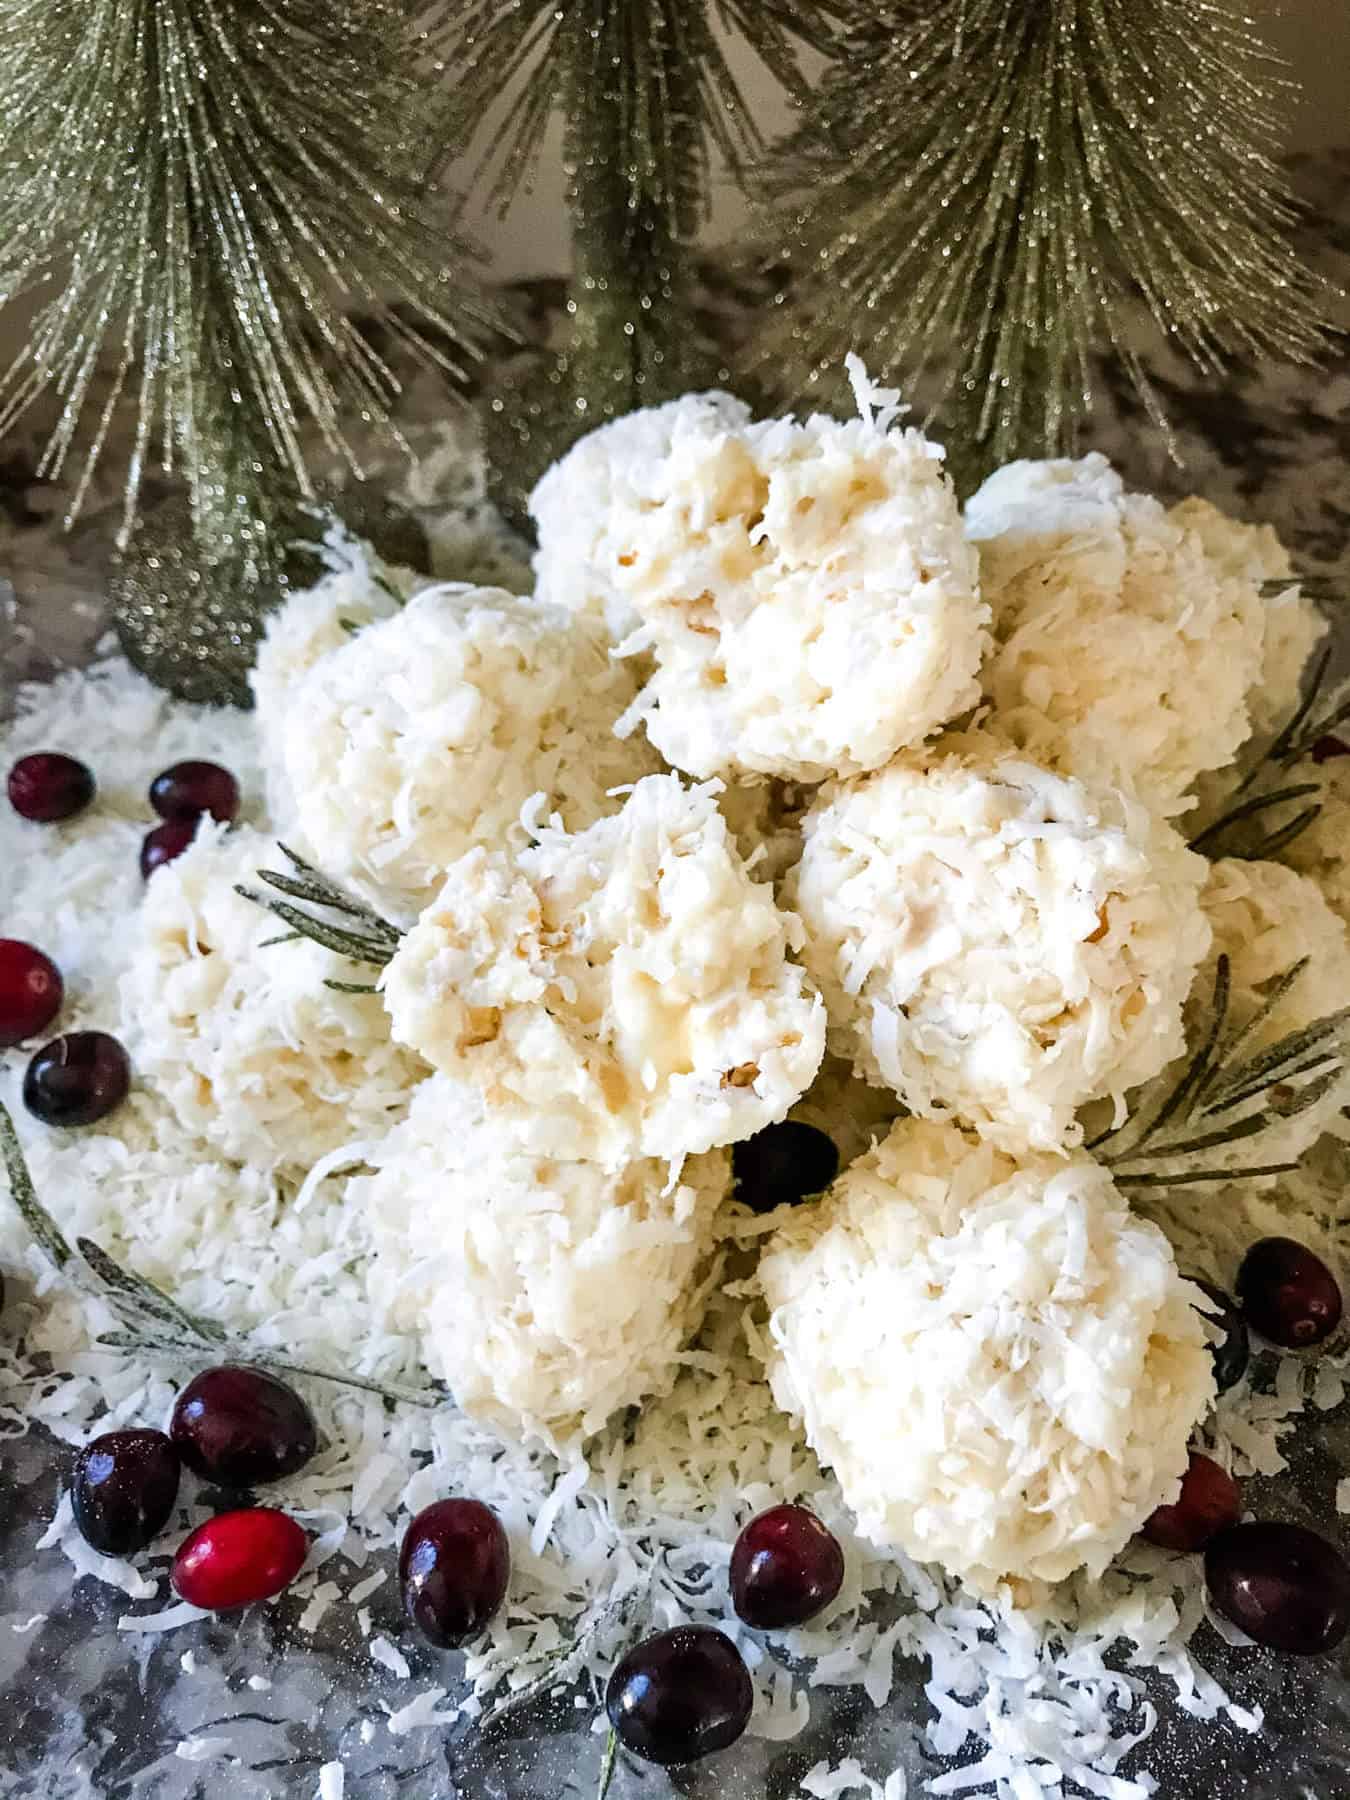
(1283, 1585)
(783, 1164)
(31, 991)
(189, 789)
(680, 1695)
(785, 1568)
(125, 1487)
(239, 1557)
(1209, 1502)
(77, 1079)
(49, 786)
(1233, 1350)
(1327, 748)
(165, 843)
(454, 1568)
(1288, 1294)
(238, 1426)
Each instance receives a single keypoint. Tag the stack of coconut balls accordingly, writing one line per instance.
(790, 791)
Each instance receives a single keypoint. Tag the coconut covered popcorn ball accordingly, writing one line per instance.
(426, 733)
(570, 505)
(806, 591)
(998, 1361)
(619, 993)
(312, 624)
(548, 1295)
(1126, 649)
(996, 942)
(243, 1039)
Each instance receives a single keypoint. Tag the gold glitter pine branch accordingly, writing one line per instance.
(649, 104)
(983, 189)
(196, 194)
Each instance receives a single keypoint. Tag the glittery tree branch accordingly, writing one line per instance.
(983, 188)
(197, 192)
(648, 103)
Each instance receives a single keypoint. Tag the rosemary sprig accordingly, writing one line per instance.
(607, 1766)
(151, 1320)
(370, 939)
(1296, 740)
(1203, 1109)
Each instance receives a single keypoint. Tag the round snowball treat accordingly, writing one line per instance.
(570, 505)
(996, 942)
(806, 590)
(1125, 651)
(426, 733)
(1294, 625)
(623, 992)
(999, 1362)
(311, 624)
(547, 1295)
(243, 1039)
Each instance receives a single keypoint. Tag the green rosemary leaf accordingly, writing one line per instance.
(338, 897)
(352, 987)
(1275, 754)
(1297, 1102)
(282, 937)
(313, 893)
(608, 1765)
(1192, 1177)
(137, 1301)
(1247, 809)
(34, 1214)
(1272, 1064)
(429, 1397)
(1210, 1140)
(1256, 1023)
(1266, 849)
(332, 937)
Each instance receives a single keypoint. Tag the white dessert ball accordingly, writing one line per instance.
(806, 591)
(999, 1362)
(242, 1038)
(427, 732)
(995, 942)
(548, 1295)
(1125, 651)
(570, 504)
(622, 992)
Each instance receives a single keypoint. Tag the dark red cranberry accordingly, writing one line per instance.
(785, 1568)
(1327, 748)
(239, 1557)
(125, 1487)
(77, 1079)
(680, 1695)
(165, 843)
(1283, 1585)
(1288, 1294)
(1210, 1501)
(238, 1426)
(783, 1164)
(49, 786)
(1233, 1350)
(31, 991)
(189, 789)
(454, 1568)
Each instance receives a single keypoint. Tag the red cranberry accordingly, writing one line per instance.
(238, 1426)
(783, 1164)
(125, 1486)
(1283, 1585)
(1287, 1294)
(1210, 1501)
(49, 786)
(454, 1568)
(165, 843)
(189, 789)
(1327, 748)
(239, 1557)
(77, 1079)
(680, 1695)
(785, 1568)
(31, 991)
(1233, 1351)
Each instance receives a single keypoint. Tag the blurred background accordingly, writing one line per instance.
(1312, 36)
